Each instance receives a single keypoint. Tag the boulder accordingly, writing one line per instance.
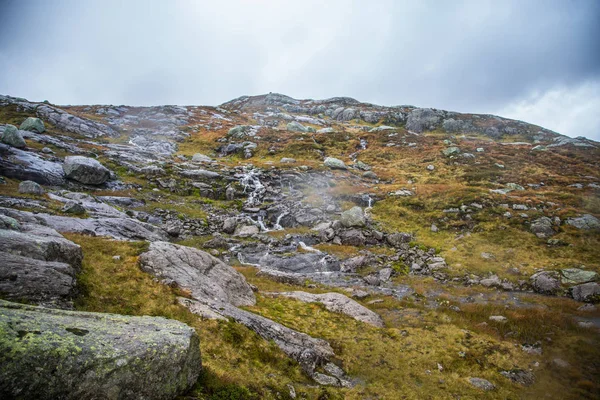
(586, 222)
(31, 187)
(354, 217)
(85, 170)
(481, 383)
(33, 125)
(12, 137)
(205, 276)
(296, 127)
(588, 292)
(24, 165)
(398, 238)
(246, 230)
(576, 276)
(338, 303)
(229, 225)
(542, 227)
(334, 163)
(352, 237)
(58, 354)
(545, 282)
(200, 174)
(286, 160)
(40, 243)
(451, 151)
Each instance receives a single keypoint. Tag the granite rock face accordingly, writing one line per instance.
(58, 354)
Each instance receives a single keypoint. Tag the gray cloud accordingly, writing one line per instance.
(510, 57)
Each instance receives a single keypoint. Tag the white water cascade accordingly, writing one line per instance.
(253, 186)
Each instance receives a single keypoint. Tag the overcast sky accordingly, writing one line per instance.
(538, 61)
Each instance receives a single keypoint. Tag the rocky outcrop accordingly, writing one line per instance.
(338, 303)
(542, 227)
(585, 222)
(116, 228)
(70, 123)
(57, 354)
(85, 170)
(24, 165)
(205, 276)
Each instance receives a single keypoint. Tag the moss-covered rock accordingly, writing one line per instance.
(51, 354)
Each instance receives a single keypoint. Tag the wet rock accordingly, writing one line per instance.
(205, 276)
(78, 355)
(481, 383)
(31, 187)
(354, 217)
(587, 292)
(334, 163)
(33, 124)
(336, 302)
(12, 137)
(85, 170)
(545, 282)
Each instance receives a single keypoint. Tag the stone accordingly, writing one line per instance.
(296, 127)
(542, 227)
(354, 217)
(31, 187)
(334, 163)
(481, 383)
(12, 137)
(229, 225)
(58, 354)
(498, 318)
(577, 276)
(85, 170)
(421, 119)
(398, 238)
(587, 292)
(73, 207)
(338, 303)
(286, 160)
(246, 230)
(203, 275)
(200, 174)
(545, 282)
(451, 151)
(201, 158)
(585, 222)
(33, 125)
(370, 175)
(352, 237)
(430, 167)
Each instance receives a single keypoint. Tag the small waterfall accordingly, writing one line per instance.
(277, 226)
(253, 186)
(363, 144)
(260, 223)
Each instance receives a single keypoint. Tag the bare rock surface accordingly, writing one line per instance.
(58, 354)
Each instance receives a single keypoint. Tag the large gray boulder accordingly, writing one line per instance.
(205, 276)
(586, 222)
(338, 303)
(33, 124)
(546, 282)
(588, 292)
(85, 170)
(354, 217)
(31, 187)
(12, 137)
(24, 165)
(334, 163)
(542, 227)
(58, 354)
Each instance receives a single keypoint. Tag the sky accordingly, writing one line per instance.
(532, 60)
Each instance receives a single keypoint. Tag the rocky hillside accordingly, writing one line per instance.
(315, 249)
